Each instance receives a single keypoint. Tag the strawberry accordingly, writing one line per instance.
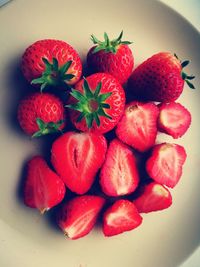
(165, 163)
(77, 158)
(51, 62)
(159, 78)
(120, 217)
(138, 125)
(97, 103)
(78, 216)
(40, 114)
(154, 197)
(43, 188)
(114, 57)
(174, 119)
(119, 174)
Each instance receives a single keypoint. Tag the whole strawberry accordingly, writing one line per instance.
(159, 78)
(40, 114)
(97, 103)
(51, 62)
(111, 56)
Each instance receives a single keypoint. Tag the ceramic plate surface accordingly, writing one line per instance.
(165, 239)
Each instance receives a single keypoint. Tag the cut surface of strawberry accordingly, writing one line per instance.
(78, 216)
(122, 216)
(138, 125)
(174, 119)
(166, 163)
(43, 188)
(153, 197)
(77, 158)
(119, 174)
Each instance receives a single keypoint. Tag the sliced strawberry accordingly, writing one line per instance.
(122, 216)
(174, 119)
(138, 125)
(77, 158)
(166, 163)
(154, 197)
(119, 174)
(43, 188)
(78, 216)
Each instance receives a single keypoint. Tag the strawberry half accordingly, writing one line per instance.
(119, 174)
(122, 216)
(77, 157)
(43, 188)
(166, 163)
(174, 119)
(138, 125)
(154, 197)
(78, 216)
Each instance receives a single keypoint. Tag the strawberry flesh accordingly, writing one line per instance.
(166, 163)
(77, 158)
(138, 125)
(154, 197)
(174, 119)
(78, 216)
(43, 188)
(122, 216)
(119, 174)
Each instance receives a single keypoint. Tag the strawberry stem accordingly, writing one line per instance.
(90, 104)
(108, 45)
(47, 128)
(53, 75)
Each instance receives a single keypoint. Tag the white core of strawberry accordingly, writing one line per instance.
(116, 218)
(80, 224)
(81, 142)
(160, 191)
(172, 118)
(121, 177)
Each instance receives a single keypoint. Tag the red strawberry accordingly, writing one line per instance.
(78, 216)
(120, 217)
(77, 158)
(43, 188)
(174, 119)
(166, 163)
(51, 62)
(97, 103)
(114, 57)
(40, 114)
(154, 197)
(119, 174)
(138, 125)
(159, 78)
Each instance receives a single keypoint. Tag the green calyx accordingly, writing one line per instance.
(53, 75)
(90, 104)
(187, 78)
(108, 45)
(47, 128)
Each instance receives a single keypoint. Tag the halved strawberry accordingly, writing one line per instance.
(119, 174)
(78, 216)
(138, 125)
(166, 163)
(153, 197)
(77, 158)
(43, 188)
(174, 119)
(122, 216)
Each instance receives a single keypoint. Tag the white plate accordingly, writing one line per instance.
(166, 238)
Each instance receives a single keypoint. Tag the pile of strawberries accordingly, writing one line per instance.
(106, 152)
